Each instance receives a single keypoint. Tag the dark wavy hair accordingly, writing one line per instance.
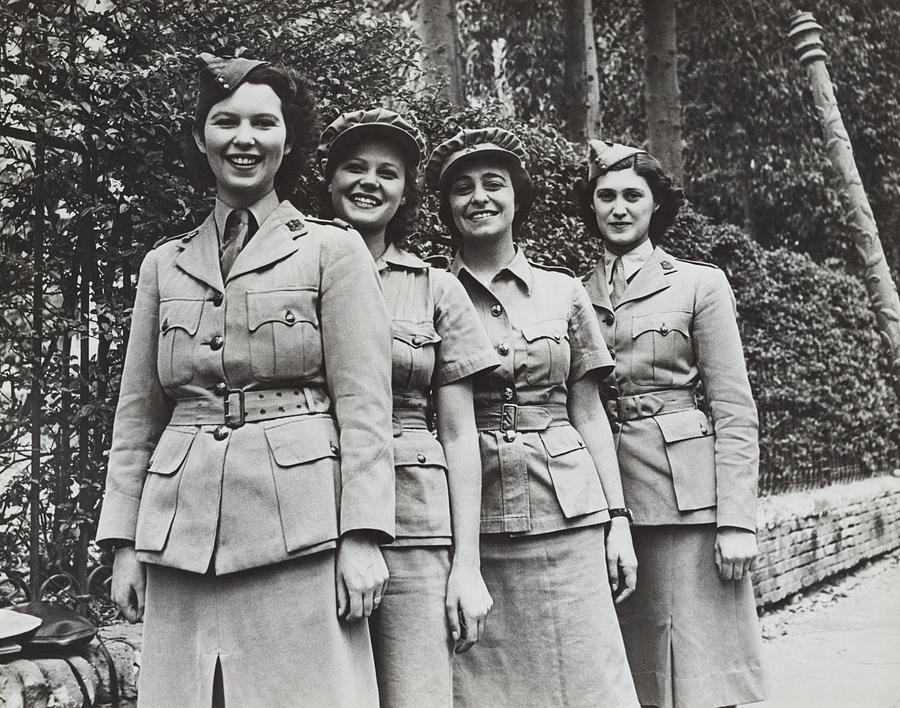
(300, 119)
(402, 225)
(522, 187)
(666, 193)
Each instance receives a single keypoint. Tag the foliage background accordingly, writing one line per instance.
(109, 88)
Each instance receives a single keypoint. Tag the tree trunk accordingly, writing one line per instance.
(435, 22)
(582, 92)
(661, 85)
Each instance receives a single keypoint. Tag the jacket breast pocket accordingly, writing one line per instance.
(572, 470)
(159, 498)
(306, 471)
(179, 321)
(284, 333)
(661, 350)
(413, 356)
(423, 499)
(691, 449)
(546, 352)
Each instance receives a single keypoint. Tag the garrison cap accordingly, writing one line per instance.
(225, 74)
(376, 121)
(468, 142)
(603, 154)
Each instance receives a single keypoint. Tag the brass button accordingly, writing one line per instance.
(503, 349)
(217, 342)
(218, 299)
(220, 433)
(663, 330)
(614, 426)
(508, 394)
(416, 340)
(289, 317)
(334, 449)
(609, 319)
(165, 325)
(557, 336)
(496, 310)
(704, 429)
(221, 388)
(421, 458)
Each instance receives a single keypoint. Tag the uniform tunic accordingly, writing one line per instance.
(253, 428)
(438, 339)
(683, 475)
(552, 639)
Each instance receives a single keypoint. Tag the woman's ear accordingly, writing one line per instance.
(323, 163)
(198, 138)
(655, 206)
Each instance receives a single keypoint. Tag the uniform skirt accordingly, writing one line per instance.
(274, 630)
(552, 639)
(410, 636)
(693, 640)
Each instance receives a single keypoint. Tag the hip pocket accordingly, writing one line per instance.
(575, 480)
(691, 451)
(423, 498)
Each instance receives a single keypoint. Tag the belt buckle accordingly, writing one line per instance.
(509, 419)
(234, 408)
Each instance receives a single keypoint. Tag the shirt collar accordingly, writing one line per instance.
(396, 256)
(518, 267)
(261, 209)
(632, 261)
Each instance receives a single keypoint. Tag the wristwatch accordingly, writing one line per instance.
(621, 511)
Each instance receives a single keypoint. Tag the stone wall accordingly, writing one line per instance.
(806, 537)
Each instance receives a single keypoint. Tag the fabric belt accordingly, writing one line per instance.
(510, 418)
(410, 418)
(238, 406)
(647, 405)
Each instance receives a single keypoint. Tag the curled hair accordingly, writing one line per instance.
(300, 121)
(663, 187)
(403, 224)
(521, 183)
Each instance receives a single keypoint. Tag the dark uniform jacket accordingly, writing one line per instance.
(674, 329)
(253, 422)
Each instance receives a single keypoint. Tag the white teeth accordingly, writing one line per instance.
(481, 215)
(244, 161)
(364, 201)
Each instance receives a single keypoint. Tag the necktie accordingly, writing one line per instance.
(236, 227)
(618, 282)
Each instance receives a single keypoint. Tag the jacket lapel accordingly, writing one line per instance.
(274, 241)
(199, 257)
(597, 289)
(651, 278)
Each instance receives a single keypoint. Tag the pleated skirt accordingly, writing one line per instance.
(274, 630)
(552, 638)
(693, 640)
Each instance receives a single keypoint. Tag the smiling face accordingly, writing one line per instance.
(243, 139)
(623, 205)
(482, 201)
(367, 185)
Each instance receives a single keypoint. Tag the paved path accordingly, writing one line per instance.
(839, 648)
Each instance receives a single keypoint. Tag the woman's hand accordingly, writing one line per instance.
(129, 582)
(735, 551)
(621, 561)
(468, 603)
(361, 576)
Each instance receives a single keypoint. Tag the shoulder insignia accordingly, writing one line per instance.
(438, 260)
(554, 268)
(699, 263)
(340, 223)
(185, 238)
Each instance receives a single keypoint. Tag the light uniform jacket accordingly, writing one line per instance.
(537, 474)
(438, 340)
(674, 329)
(299, 335)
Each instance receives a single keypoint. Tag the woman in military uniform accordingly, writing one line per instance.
(551, 556)
(435, 600)
(250, 479)
(690, 481)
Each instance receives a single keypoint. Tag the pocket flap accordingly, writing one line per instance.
(662, 322)
(415, 334)
(551, 329)
(171, 450)
(418, 450)
(180, 314)
(298, 441)
(561, 439)
(287, 306)
(683, 425)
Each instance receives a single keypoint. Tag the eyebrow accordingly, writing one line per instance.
(234, 114)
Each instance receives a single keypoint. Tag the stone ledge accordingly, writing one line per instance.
(42, 682)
